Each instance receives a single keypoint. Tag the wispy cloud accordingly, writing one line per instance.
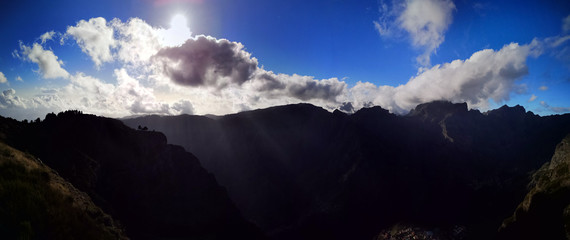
(425, 21)
(554, 109)
(566, 24)
(3, 78)
(47, 36)
(532, 98)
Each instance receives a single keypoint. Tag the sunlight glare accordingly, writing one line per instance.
(178, 32)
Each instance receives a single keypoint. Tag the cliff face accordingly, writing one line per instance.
(545, 211)
(299, 171)
(155, 189)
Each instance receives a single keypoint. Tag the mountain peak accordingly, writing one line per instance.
(372, 111)
(505, 110)
(437, 109)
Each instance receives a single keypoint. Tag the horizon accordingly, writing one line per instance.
(278, 106)
(199, 57)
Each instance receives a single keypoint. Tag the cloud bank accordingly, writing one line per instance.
(204, 74)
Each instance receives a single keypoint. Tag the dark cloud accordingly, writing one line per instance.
(268, 82)
(183, 107)
(306, 89)
(207, 61)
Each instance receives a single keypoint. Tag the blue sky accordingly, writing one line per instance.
(122, 58)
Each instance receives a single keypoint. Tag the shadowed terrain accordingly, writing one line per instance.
(301, 172)
(545, 211)
(154, 189)
(36, 203)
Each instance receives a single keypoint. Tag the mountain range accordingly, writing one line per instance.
(301, 172)
(289, 172)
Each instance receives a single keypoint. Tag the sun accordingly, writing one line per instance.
(178, 31)
(178, 21)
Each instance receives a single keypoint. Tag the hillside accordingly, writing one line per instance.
(154, 189)
(36, 203)
(301, 172)
(545, 211)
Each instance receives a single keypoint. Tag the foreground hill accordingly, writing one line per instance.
(301, 172)
(36, 203)
(154, 189)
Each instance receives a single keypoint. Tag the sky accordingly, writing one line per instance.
(136, 57)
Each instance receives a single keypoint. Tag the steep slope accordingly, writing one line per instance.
(156, 190)
(36, 203)
(299, 171)
(545, 211)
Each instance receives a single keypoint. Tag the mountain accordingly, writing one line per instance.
(156, 190)
(545, 211)
(301, 172)
(36, 203)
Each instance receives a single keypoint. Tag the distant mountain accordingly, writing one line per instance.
(545, 211)
(301, 172)
(156, 190)
(36, 203)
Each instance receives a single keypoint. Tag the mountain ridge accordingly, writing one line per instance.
(323, 163)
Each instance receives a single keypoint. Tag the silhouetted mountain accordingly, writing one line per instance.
(301, 172)
(545, 211)
(154, 189)
(36, 203)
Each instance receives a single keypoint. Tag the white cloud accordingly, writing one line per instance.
(50, 66)
(486, 75)
(137, 41)
(386, 25)
(18, 78)
(3, 78)
(532, 98)
(95, 37)
(8, 99)
(47, 36)
(425, 21)
(177, 34)
(543, 88)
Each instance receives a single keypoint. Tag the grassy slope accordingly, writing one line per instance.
(36, 203)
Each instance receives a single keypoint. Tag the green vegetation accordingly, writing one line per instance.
(36, 203)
